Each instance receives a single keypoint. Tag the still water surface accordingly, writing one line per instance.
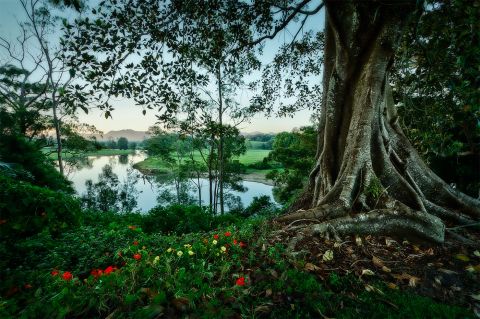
(149, 191)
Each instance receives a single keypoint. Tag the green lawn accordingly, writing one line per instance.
(253, 156)
(158, 165)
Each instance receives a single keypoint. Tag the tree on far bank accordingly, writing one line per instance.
(122, 143)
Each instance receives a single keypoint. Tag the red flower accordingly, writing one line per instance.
(67, 276)
(109, 270)
(135, 243)
(240, 281)
(132, 227)
(96, 273)
(235, 241)
(242, 244)
(228, 234)
(54, 272)
(215, 236)
(137, 256)
(28, 286)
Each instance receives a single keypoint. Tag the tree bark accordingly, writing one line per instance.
(368, 178)
(220, 147)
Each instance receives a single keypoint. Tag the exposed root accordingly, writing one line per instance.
(318, 213)
(406, 223)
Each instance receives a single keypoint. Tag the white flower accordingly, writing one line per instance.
(214, 242)
(191, 253)
(156, 259)
(179, 253)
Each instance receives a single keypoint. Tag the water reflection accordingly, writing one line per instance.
(123, 159)
(150, 187)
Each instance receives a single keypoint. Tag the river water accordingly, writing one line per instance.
(147, 198)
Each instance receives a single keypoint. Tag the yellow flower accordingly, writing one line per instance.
(187, 246)
(169, 250)
(214, 242)
(156, 259)
(179, 253)
(223, 249)
(191, 253)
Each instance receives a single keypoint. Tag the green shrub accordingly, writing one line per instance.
(26, 209)
(182, 219)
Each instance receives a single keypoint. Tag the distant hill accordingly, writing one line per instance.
(131, 135)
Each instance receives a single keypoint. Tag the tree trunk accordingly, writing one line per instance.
(220, 148)
(368, 178)
(56, 123)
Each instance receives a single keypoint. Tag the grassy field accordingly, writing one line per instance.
(154, 165)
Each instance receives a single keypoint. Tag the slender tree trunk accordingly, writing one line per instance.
(220, 148)
(56, 123)
(368, 178)
(210, 175)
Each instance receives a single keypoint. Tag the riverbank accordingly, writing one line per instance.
(156, 166)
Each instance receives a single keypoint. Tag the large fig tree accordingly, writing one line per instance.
(368, 178)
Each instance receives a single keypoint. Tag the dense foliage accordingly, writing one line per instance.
(295, 151)
(436, 80)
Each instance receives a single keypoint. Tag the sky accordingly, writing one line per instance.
(129, 116)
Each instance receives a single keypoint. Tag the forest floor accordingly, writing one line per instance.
(448, 273)
(243, 269)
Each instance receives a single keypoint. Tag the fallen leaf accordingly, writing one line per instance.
(379, 263)
(476, 297)
(373, 289)
(448, 271)
(311, 267)
(389, 242)
(265, 308)
(412, 280)
(391, 285)
(470, 268)
(386, 269)
(358, 240)
(328, 255)
(462, 257)
(268, 292)
(367, 272)
(429, 251)
(336, 245)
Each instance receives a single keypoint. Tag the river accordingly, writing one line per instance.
(147, 198)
